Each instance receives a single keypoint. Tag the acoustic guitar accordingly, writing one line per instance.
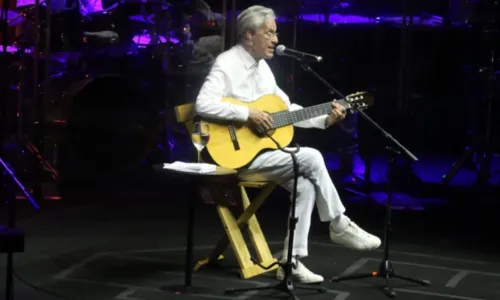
(234, 145)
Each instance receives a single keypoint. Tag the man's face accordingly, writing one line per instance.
(263, 41)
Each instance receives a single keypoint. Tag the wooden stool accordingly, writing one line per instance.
(184, 114)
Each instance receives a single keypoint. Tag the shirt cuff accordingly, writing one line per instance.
(240, 113)
(320, 122)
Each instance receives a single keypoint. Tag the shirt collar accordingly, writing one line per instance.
(247, 59)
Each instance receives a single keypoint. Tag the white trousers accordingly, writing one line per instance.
(314, 185)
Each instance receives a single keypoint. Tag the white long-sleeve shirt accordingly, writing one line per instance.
(237, 74)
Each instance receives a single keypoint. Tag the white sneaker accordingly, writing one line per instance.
(301, 274)
(355, 238)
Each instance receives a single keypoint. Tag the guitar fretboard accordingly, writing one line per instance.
(285, 118)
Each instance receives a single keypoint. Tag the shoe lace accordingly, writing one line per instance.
(357, 231)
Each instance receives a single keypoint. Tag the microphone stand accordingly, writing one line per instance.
(286, 285)
(385, 269)
(11, 238)
(482, 146)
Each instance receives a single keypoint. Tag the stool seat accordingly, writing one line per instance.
(254, 184)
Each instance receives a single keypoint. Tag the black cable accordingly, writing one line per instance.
(42, 290)
(292, 219)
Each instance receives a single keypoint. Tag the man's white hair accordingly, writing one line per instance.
(251, 19)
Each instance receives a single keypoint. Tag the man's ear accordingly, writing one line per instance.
(248, 35)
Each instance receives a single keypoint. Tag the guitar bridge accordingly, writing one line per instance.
(234, 139)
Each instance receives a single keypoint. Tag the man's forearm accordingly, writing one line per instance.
(221, 110)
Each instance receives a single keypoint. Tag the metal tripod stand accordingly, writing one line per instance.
(485, 18)
(385, 269)
(482, 147)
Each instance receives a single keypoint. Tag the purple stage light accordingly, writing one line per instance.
(144, 39)
(86, 6)
(14, 49)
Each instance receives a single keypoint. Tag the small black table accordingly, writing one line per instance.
(196, 180)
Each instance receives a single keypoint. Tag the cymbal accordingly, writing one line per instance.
(13, 18)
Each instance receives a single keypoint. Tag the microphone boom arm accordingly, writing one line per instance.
(298, 55)
(333, 91)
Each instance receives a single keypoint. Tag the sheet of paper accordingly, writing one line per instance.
(200, 168)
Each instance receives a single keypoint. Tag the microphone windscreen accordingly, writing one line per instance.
(280, 50)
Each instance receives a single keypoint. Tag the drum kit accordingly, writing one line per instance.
(88, 80)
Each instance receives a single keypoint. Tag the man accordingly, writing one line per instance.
(242, 73)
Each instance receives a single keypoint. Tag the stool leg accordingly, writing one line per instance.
(187, 287)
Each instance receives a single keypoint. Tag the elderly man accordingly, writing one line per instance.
(242, 72)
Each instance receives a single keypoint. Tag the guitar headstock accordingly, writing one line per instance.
(360, 100)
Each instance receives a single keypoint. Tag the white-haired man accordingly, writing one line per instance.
(242, 72)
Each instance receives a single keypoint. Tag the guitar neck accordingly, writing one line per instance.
(285, 118)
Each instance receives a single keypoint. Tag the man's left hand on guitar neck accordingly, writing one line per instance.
(337, 114)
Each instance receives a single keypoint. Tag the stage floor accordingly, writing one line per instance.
(129, 245)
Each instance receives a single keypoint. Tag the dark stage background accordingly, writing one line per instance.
(87, 111)
(109, 100)
(445, 90)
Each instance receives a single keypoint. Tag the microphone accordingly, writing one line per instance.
(283, 50)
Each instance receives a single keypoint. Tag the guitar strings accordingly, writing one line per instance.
(284, 118)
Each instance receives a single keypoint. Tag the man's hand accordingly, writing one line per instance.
(260, 120)
(338, 114)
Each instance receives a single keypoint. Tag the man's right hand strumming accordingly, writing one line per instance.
(260, 120)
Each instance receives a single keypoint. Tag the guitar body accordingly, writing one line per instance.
(222, 149)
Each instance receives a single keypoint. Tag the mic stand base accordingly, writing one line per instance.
(286, 286)
(481, 165)
(385, 269)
